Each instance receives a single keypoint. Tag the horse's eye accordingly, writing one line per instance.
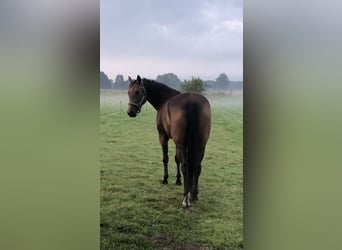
(136, 92)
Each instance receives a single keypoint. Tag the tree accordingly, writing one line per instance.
(105, 82)
(169, 79)
(194, 85)
(119, 79)
(222, 82)
(120, 83)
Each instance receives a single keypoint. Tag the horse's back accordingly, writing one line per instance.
(190, 114)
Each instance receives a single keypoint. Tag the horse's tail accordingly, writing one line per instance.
(193, 138)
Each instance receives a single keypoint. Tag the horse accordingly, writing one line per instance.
(183, 117)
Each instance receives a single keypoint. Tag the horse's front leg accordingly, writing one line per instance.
(164, 143)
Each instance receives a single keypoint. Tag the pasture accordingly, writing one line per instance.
(138, 212)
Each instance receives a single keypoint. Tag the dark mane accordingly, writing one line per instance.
(160, 86)
(160, 93)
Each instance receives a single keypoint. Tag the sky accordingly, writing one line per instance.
(200, 38)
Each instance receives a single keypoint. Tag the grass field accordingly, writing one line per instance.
(138, 212)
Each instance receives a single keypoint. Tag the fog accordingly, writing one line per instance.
(235, 99)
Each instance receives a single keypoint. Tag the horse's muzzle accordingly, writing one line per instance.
(131, 113)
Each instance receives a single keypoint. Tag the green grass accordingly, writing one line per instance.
(138, 212)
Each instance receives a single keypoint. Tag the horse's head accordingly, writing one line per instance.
(136, 95)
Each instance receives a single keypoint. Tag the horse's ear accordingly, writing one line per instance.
(138, 79)
(130, 79)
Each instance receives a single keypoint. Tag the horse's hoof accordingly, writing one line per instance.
(164, 182)
(186, 203)
(178, 182)
(193, 197)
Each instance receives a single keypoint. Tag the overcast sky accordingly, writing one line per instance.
(189, 38)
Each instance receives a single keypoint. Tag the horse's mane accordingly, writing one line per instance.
(158, 93)
(160, 86)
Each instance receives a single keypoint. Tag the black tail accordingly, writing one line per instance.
(193, 137)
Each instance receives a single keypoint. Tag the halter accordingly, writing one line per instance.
(138, 106)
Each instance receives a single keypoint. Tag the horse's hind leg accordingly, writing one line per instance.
(182, 157)
(194, 188)
(178, 180)
(197, 172)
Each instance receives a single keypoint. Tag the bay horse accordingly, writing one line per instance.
(184, 118)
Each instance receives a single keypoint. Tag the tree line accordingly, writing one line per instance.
(221, 83)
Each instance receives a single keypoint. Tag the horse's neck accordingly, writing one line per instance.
(157, 94)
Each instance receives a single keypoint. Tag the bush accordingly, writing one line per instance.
(194, 85)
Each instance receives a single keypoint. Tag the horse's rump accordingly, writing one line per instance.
(190, 119)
